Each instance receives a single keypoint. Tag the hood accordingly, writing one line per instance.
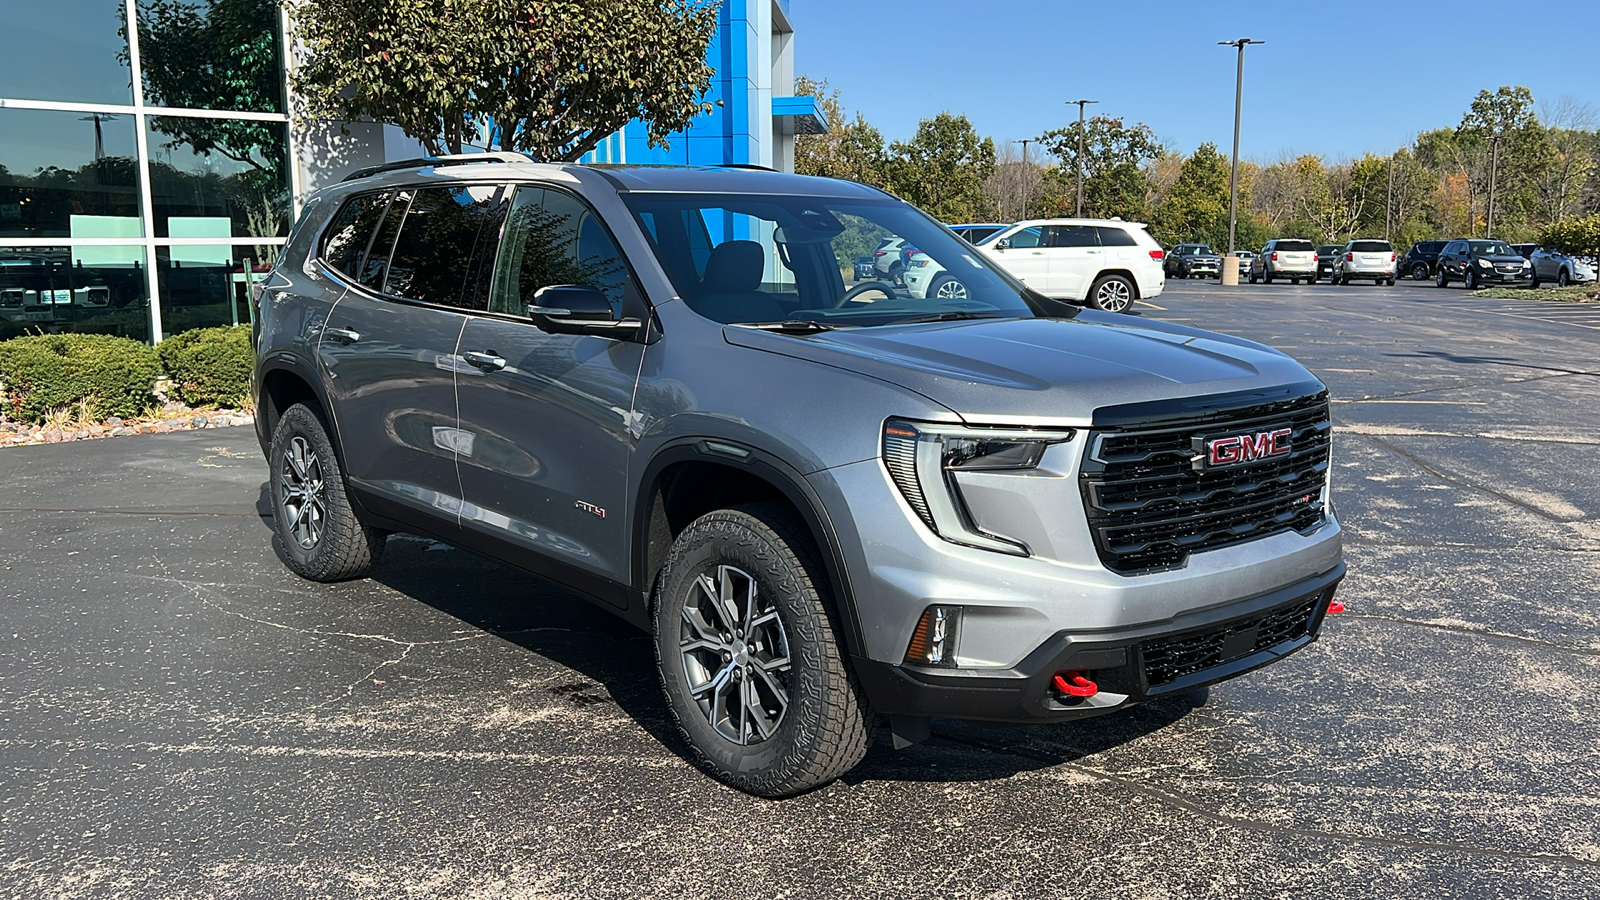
(1040, 371)
(1500, 259)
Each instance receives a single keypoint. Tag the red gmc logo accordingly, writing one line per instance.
(1243, 448)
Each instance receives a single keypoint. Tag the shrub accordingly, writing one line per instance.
(1578, 237)
(209, 365)
(43, 373)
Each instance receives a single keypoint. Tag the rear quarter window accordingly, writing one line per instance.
(1111, 236)
(347, 237)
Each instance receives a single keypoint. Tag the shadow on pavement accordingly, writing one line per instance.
(615, 662)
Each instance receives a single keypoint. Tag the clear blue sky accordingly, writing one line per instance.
(1009, 66)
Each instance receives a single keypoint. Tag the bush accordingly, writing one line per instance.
(109, 376)
(209, 365)
(1578, 237)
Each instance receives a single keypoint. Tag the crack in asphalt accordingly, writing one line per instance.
(1461, 386)
(1472, 632)
(1248, 824)
(1463, 482)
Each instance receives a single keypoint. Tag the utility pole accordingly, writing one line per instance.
(1025, 174)
(1388, 202)
(1238, 106)
(1494, 169)
(1081, 105)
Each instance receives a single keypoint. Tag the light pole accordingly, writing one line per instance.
(1081, 105)
(1025, 173)
(1238, 105)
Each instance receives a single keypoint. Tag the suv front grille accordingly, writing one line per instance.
(1149, 507)
(1168, 659)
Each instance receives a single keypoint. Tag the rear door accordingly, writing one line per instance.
(389, 349)
(1075, 260)
(545, 440)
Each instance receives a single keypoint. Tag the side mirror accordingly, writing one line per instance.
(577, 309)
(1003, 244)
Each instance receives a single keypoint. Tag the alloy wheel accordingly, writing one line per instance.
(951, 290)
(736, 655)
(1113, 295)
(303, 506)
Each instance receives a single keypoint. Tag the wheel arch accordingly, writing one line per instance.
(693, 476)
(1125, 273)
(286, 380)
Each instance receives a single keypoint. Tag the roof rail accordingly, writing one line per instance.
(459, 159)
(756, 166)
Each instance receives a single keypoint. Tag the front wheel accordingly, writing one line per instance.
(322, 538)
(746, 650)
(1441, 279)
(1471, 281)
(946, 288)
(1112, 293)
(1563, 279)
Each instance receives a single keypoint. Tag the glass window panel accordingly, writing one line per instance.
(211, 54)
(56, 168)
(99, 289)
(219, 177)
(203, 285)
(347, 238)
(375, 264)
(553, 238)
(434, 252)
(69, 50)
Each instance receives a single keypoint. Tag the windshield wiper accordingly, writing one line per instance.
(954, 315)
(789, 326)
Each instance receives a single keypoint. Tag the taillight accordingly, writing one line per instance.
(879, 253)
(1158, 255)
(1274, 256)
(1349, 257)
(1391, 257)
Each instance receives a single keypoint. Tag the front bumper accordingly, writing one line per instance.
(1130, 665)
(1491, 276)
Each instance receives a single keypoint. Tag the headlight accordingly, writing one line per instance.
(922, 459)
(1485, 263)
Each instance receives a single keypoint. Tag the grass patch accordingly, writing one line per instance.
(1577, 293)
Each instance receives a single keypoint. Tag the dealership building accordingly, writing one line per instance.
(150, 169)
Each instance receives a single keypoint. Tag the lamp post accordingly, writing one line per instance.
(1081, 105)
(1025, 173)
(1238, 105)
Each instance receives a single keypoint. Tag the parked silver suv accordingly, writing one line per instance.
(1293, 259)
(828, 505)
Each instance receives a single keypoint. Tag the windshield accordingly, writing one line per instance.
(1491, 248)
(753, 259)
(1195, 250)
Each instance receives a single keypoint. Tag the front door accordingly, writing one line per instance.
(545, 442)
(1024, 258)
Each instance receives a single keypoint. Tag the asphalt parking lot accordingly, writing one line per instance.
(180, 716)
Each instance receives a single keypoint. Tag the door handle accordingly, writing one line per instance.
(488, 361)
(347, 335)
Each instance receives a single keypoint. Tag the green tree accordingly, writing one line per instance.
(851, 149)
(1196, 206)
(1115, 181)
(1504, 149)
(1579, 237)
(555, 77)
(943, 167)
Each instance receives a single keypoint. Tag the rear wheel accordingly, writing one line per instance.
(755, 679)
(1389, 281)
(322, 538)
(1419, 272)
(1111, 293)
(1266, 276)
(1252, 277)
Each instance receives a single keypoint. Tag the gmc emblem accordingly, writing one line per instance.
(1236, 449)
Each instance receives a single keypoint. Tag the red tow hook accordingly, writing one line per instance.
(1073, 684)
(1335, 608)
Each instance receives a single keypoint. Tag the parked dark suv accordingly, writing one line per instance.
(1475, 262)
(1421, 260)
(827, 504)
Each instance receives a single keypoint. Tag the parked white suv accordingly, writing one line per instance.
(1364, 259)
(1106, 263)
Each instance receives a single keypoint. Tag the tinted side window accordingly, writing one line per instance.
(375, 264)
(1073, 236)
(433, 254)
(1111, 236)
(1027, 237)
(346, 239)
(553, 238)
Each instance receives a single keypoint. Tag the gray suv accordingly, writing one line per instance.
(831, 506)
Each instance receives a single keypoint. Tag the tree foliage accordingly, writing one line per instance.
(1578, 237)
(851, 149)
(943, 167)
(1196, 207)
(555, 77)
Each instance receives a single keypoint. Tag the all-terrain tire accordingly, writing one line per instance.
(827, 725)
(311, 513)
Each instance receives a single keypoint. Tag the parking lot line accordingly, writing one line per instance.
(1151, 305)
